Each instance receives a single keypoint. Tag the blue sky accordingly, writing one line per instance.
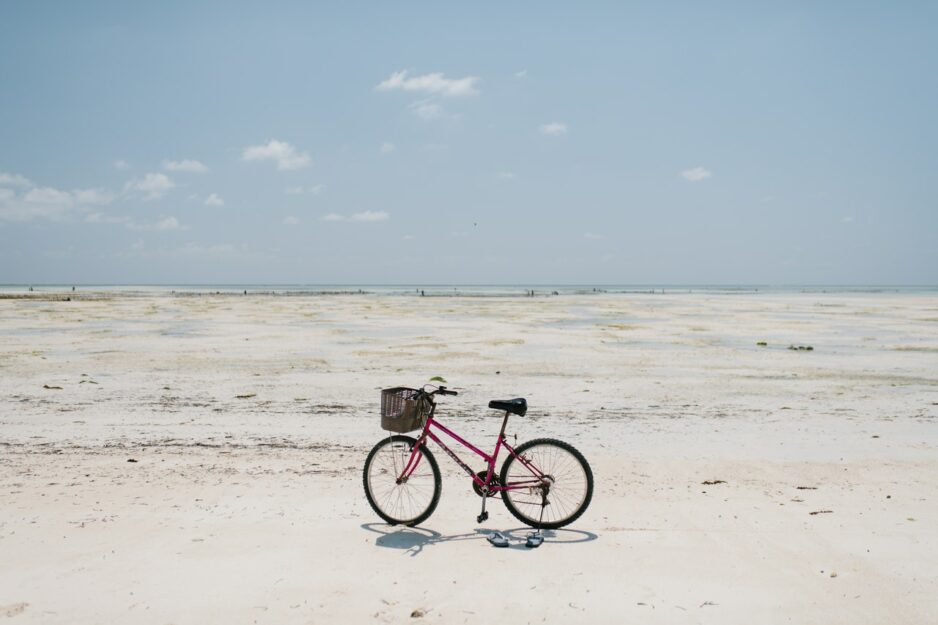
(475, 143)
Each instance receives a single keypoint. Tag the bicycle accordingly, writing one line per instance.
(545, 483)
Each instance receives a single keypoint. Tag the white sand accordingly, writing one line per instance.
(251, 510)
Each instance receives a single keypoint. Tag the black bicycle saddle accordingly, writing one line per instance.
(518, 406)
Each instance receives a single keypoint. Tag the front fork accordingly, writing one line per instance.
(415, 456)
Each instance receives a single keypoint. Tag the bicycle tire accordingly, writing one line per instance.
(571, 510)
(380, 502)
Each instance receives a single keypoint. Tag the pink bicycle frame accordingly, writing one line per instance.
(536, 478)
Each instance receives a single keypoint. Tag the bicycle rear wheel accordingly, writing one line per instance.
(570, 483)
(407, 503)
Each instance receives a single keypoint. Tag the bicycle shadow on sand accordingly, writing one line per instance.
(413, 540)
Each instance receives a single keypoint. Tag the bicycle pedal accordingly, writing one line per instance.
(482, 517)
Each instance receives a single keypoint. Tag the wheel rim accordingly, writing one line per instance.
(408, 500)
(569, 484)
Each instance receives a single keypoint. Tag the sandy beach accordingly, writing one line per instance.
(170, 458)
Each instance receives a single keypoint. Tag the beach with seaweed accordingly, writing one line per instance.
(183, 455)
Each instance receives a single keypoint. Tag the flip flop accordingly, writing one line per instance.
(497, 539)
(534, 541)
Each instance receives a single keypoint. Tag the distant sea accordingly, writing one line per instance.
(469, 290)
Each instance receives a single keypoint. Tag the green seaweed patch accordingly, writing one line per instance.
(438, 378)
(762, 344)
(801, 348)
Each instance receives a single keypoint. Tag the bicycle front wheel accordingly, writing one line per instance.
(412, 501)
(567, 474)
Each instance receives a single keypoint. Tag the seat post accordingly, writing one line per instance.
(501, 434)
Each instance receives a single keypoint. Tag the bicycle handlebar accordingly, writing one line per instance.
(440, 390)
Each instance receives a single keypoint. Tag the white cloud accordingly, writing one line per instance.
(426, 109)
(553, 129)
(313, 190)
(286, 156)
(387, 147)
(434, 84)
(165, 223)
(168, 223)
(48, 195)
(101, 218)
(153, 186)
(14, 180)
(696, 174)
(521, 74)
(290, 220)
(361, 217)
(93, 196)
(32, 202)
(371, 216)
(847, 220)
(219, 251)
(592, 235)
(505, 175)
(121, 164)
(186, 165)
(214, 200)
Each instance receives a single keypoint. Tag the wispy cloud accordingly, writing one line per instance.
(553, 129)
(592, 235)
(387, 147)
(153, 186)
(214, 200)
(522, 74)
(121, 164)
(94, 196)
(290, 221)
(426, 109)
(371, 216)
(210, 252)
(285, 155)
(433, 84)
(696, 174)
(26, 201)
(185, 165)
(14, 180)
(847, 220)
(164, 223)
(364, 216)
(506, 175)
(316, 189)
(101, 218)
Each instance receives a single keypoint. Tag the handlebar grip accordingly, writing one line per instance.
(445, 392)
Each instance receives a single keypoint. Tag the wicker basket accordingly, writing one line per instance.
(401, 412)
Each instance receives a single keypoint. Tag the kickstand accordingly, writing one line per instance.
(537, 537)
